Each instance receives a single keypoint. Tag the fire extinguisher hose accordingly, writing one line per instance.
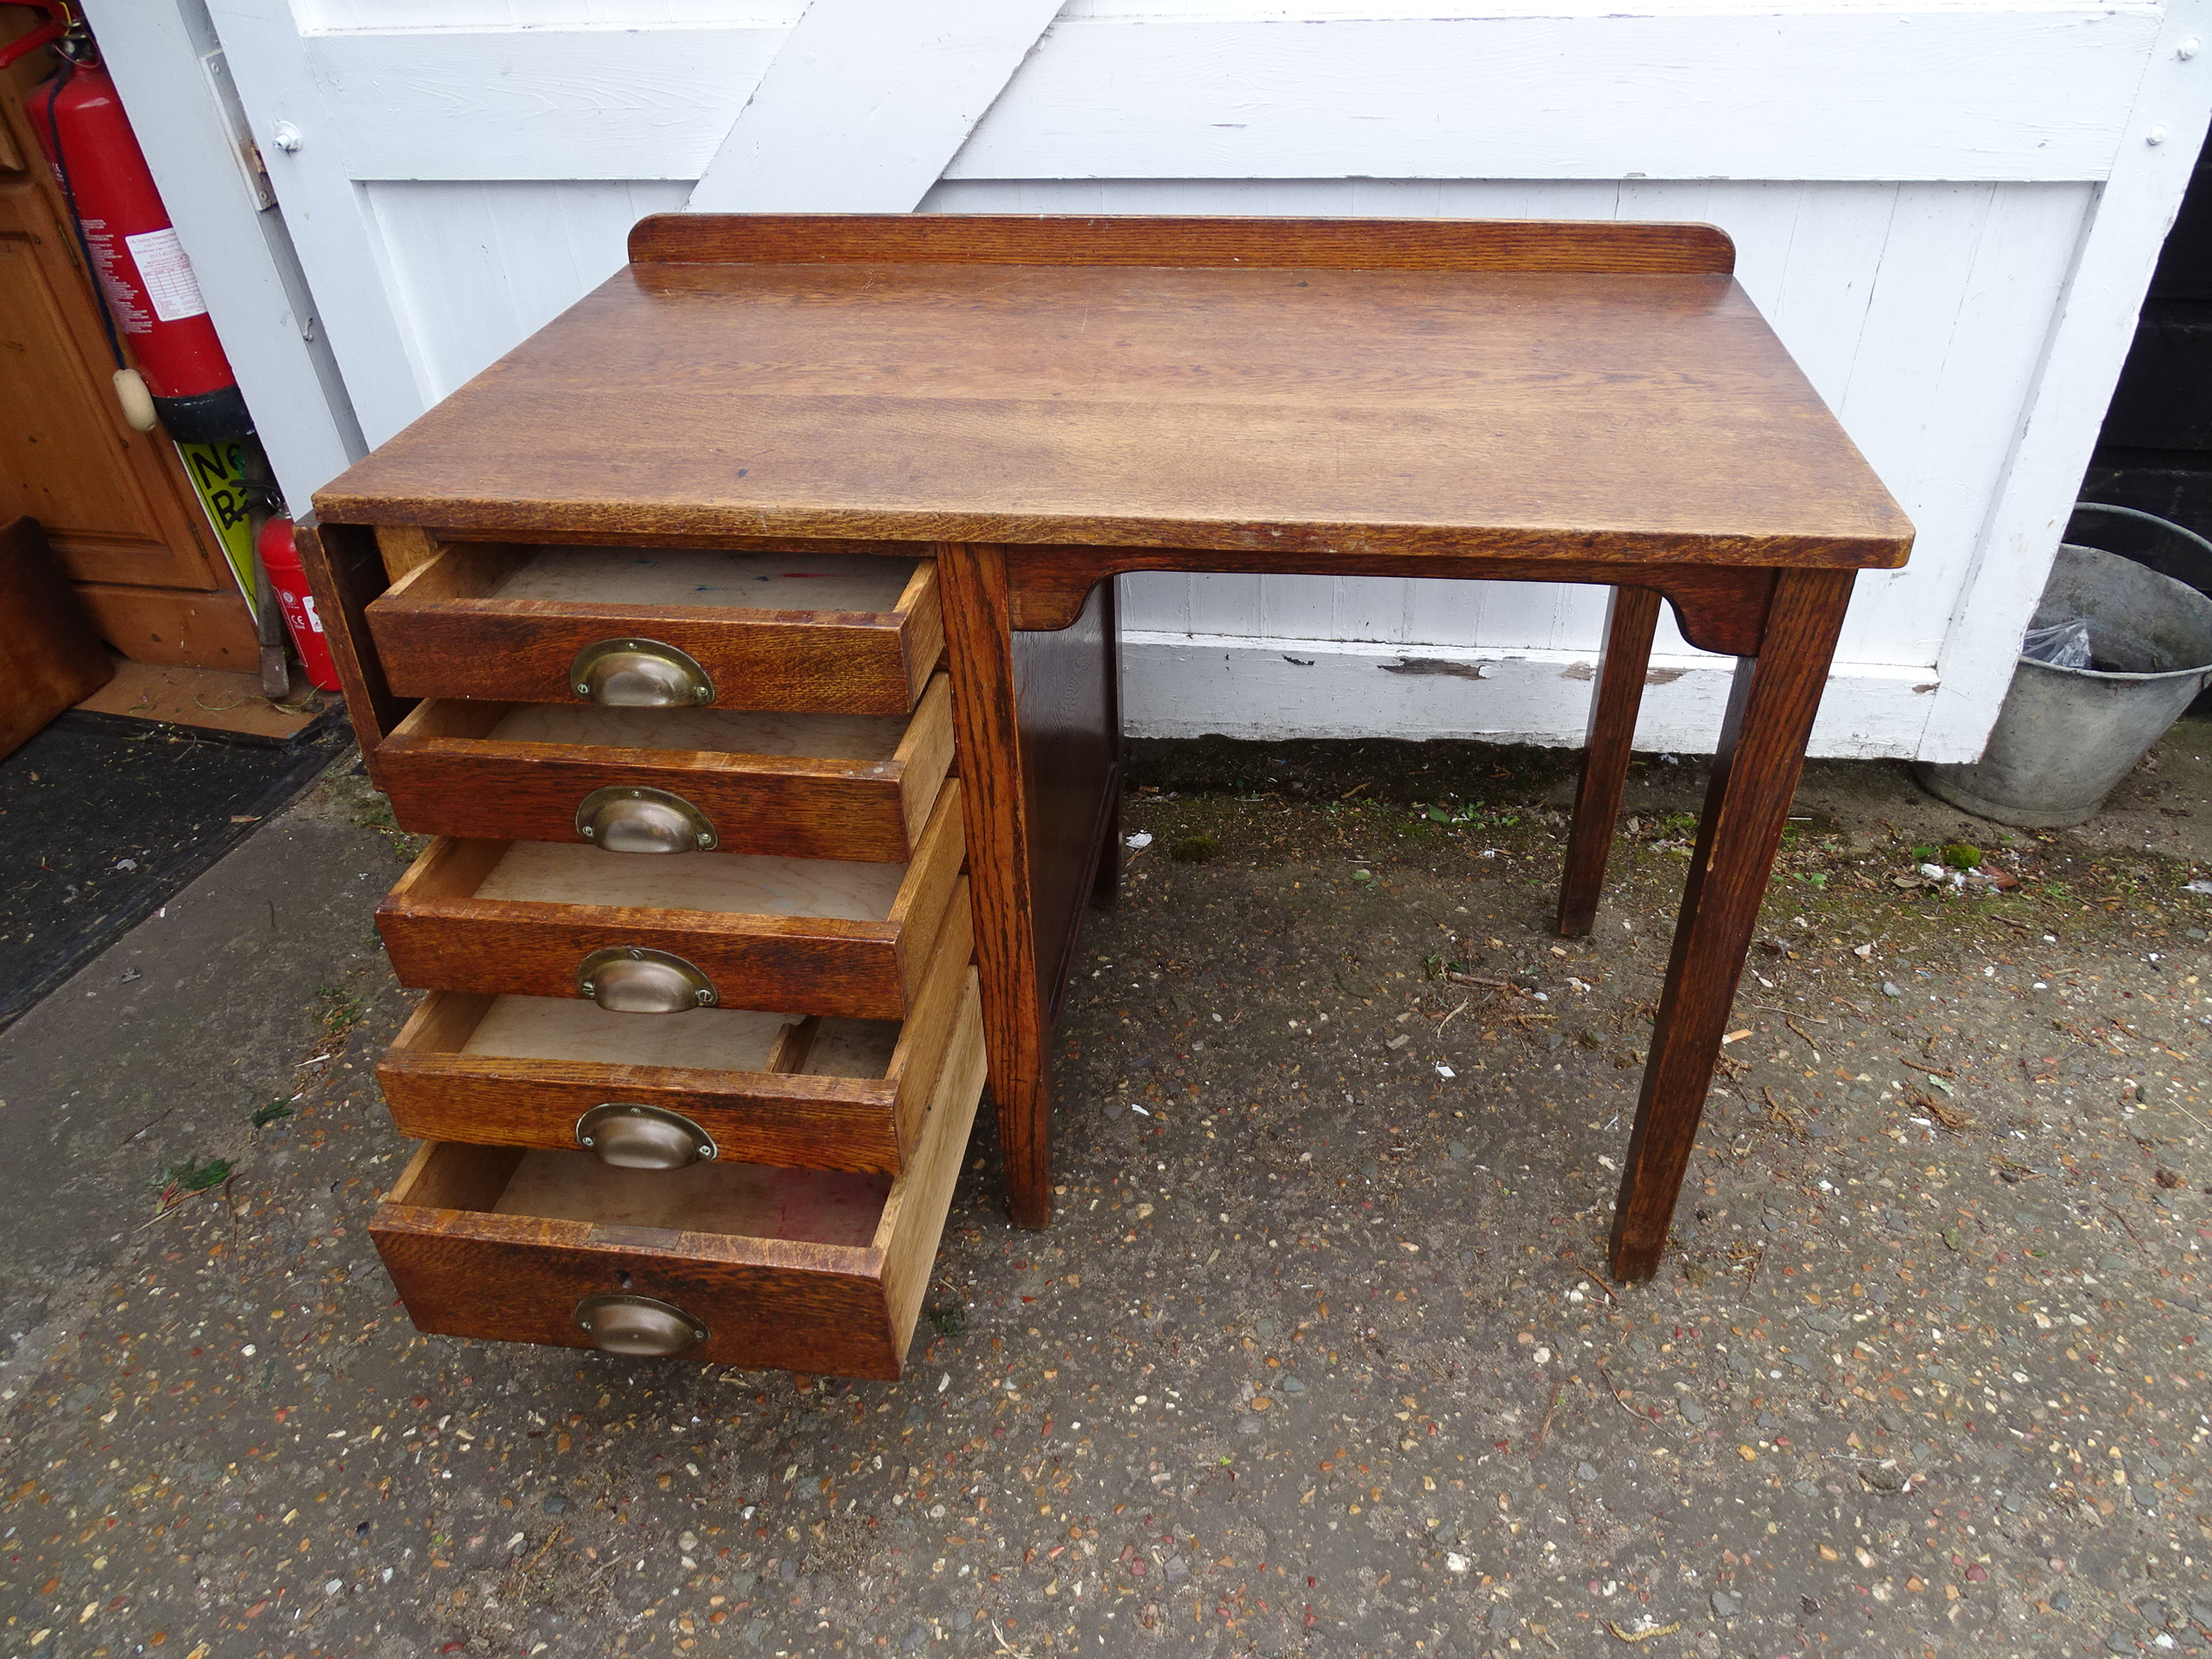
(56, 26)
(69, 195)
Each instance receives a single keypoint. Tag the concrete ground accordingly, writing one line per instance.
(1319, 1357)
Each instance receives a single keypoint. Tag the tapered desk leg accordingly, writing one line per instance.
(1755, 771)
(979, 648)
(1630, 620)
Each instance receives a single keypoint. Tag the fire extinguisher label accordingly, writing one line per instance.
(167, 275)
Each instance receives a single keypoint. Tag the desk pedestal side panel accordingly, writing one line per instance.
(347, 575)
(1068, 684)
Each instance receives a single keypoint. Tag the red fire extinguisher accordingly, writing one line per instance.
(128, 243)
(280, 559)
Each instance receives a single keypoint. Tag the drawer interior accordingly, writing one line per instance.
(704, 576)
(747, 1201)
(738, 1200)
(705, 1039)
(864, 738)
(740, 883)
(840, 632)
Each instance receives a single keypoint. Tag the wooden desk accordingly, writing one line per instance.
(1046, 403)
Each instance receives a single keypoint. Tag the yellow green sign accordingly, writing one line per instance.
(218, 473)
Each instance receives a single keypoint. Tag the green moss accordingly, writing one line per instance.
(1201, 849)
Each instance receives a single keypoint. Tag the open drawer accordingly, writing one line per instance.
(663, 1094)
(739, 1264)
(645, 935)
(672, 780)
(651, 627)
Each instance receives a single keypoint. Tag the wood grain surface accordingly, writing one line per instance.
(405, 549)
(1184, 240)
(767, 1303)
(994, 792)
(925, 898)
(1528, 405)
(930, 1033)
(914, 1214)
(439, 935)
(1038, 716)
(447, 775)
(1632, 616)
(1755, 771)
(463, 1269)
(189, 629)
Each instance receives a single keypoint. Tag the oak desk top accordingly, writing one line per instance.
(1593, 392)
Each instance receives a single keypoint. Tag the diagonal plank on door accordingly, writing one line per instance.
(866, 103)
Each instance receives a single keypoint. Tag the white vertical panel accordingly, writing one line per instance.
(479, 268)
(1893, 399)
(1220, 605)
(1163, 598)
(1817, 292)
(345, 260)
(1178, 687)
(865, 103)
(1940, 424)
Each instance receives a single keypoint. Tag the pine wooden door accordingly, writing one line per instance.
(117, 507)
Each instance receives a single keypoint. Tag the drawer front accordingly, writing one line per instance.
(463, 1267)
(438, 1089)
(455, 628)
(449, 771)
(441, 933)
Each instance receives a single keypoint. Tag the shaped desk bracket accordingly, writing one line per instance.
(1719, 608)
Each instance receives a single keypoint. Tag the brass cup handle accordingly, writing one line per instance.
(627, 820)
(639, 674)
(627, 1136)
(630, 979)
(637, 1325)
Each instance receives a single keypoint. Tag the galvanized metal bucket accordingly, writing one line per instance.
(2066, 736)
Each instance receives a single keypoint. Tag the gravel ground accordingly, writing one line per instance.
(1319, 1356)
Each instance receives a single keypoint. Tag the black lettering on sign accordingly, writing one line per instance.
(210, 465)
(227, 506)
(218, 471)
